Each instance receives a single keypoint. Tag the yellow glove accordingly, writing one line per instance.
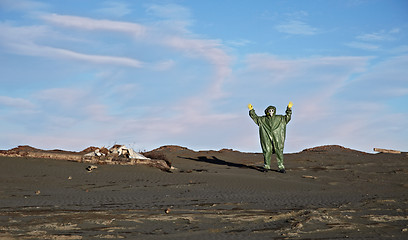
(250, 107)
(290, 104)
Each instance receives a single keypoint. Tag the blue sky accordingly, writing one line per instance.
(151, 73)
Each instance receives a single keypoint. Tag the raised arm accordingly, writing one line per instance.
(252, 114)
(289, 112)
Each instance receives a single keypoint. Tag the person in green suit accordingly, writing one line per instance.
(272, 133)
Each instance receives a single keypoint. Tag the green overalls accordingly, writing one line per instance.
(272, 133)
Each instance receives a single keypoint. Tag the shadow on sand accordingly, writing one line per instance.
(217, 161)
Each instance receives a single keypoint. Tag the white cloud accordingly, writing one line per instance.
(239, 42)
(22, 40)
(169, 11)
(98, 59)
(395, 30)
(296, 24)
(135, 29)
(212, 51)
(322, 69)
(364, 46)
(296, 27)
(379, 36)
(372, 37)
(19, 103)
(372, 41)
(44, 51)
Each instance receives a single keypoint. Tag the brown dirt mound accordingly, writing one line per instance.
(24, 148)
(170, 148)
(331, 148)
(227, 150)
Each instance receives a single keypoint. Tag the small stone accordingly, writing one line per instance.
(307, 176)
(91, 167)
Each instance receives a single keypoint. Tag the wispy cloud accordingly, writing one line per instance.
(364, 46)
(379, 36)
(22, 40)
(37, 50)
(212, 51)
(135, 29)
(208, 49)
(296, 24)
(373, 41)
(239, 42)
(169, 11)
(98, 59)
(18, 103)
(296, 27)
(170, 18)
(281, 70)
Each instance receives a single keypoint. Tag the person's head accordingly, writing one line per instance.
(270, 111)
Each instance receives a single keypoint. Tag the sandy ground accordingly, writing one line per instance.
(327, 193)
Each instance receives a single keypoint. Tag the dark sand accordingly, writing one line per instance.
(327, 193)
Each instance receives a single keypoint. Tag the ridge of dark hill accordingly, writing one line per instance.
(333, 149)
(318, 149)
(177, 149)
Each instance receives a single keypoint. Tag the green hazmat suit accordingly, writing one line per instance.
(272, 133)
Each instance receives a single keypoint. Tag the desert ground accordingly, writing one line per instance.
(328, 192)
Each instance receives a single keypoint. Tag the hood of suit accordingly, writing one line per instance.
(270, 111)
